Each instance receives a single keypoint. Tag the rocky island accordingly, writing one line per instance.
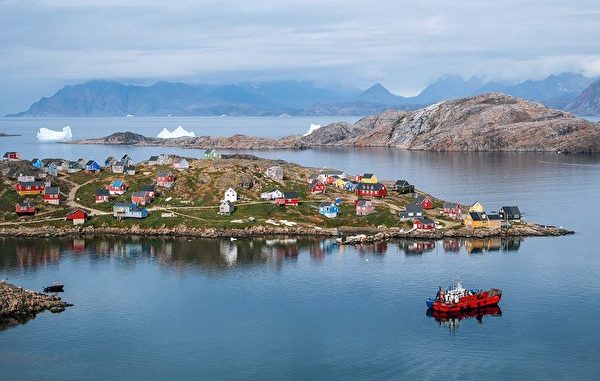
(236, 196)
(488, 122)
(18, 305)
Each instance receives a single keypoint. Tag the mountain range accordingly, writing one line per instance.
(569, 91)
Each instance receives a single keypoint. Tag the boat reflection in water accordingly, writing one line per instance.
(452, 319)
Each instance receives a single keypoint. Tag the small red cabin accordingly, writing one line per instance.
(331, 179)
(140, 198)
(78, 216)
(51, 195)
(289, 198)
(316, 187)
(12, 156)
(165, 179)
(24, 208)
(452, 210)
(423, 223)
(375, 190)
(424, 201)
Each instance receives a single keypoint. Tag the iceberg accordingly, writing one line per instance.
(176, 133)
(313, 128)
(46, 134)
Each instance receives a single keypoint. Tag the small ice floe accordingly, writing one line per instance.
(313, 128)
(176, 133)
(48, 135)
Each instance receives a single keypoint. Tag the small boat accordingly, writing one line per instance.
(458, 299)
(56, 287)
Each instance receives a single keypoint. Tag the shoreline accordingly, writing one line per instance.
(18, 305)
(348, 235)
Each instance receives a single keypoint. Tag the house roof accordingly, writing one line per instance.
(401, 182)
(164, 173)
(126, 156)
(148, 188)
(124, 205)
(32, 183)
(450, 205)
(102, 192)
(228, 203)
(139, 194)
(324, 203)
(367, 175)
(511, 210)
(117, 183)
(91, 162)
(315, 182)
(425, 220)
(52, 190)
(153, 158)
(73, 211)
(413, 208)
(24, 204)
(476, 216)
(375, 187)
(420, 199)
(290, 194)
(363, 202)
(494, 217)
(118, 164)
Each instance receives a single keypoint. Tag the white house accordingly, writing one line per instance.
(271, 195)
(181, 164)
(230, 195)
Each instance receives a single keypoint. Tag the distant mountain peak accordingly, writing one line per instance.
(378, 94)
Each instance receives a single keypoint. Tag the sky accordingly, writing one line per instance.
(45, 44)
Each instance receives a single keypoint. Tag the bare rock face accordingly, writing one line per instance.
(18, 305)
(489, 122)
(588, 102)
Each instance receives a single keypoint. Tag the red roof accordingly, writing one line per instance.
(77, 214)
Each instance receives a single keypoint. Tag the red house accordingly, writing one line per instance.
(452, 210)
(289, 198)
(423, 223)
(165, 179)
(102, 195)
(424, 201)
(375, 190)
(12, 156)
(117, 187)
(52, 195)
(331, 179)
(316, 187)
(30, 187)
(24, 208)
(140, 198)
(78, 216)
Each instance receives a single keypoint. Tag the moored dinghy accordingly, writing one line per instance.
(56, 287)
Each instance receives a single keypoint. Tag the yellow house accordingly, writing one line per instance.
(340, 183)
(476, 207)
(369, 178)
(476, 220)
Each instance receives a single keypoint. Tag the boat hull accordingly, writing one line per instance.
(479, 300)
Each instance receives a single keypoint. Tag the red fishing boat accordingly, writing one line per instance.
(457, 299)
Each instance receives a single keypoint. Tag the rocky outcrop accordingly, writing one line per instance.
(203, 142)
(18, 305)
(588, 102)
(488, 122)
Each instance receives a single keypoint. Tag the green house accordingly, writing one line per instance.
(211, 154)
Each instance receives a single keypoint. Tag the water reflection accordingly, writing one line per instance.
(452, 320)
(181, 253)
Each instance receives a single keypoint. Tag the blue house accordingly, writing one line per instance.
(123, 210)
(37, 163)
(329, 210)
(92, 166)
(51, 169)
(350, 185)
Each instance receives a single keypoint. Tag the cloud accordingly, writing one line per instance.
(403, 44)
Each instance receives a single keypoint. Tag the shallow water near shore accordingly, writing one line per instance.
(154, 309)
(158, 309)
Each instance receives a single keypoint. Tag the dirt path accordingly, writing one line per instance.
(74, 204)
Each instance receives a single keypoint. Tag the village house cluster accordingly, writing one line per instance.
(420, 210)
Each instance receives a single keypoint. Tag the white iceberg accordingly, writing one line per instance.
(313, 128)
(176, 133)
(46, 134)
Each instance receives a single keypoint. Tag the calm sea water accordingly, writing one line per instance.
(154, 309)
